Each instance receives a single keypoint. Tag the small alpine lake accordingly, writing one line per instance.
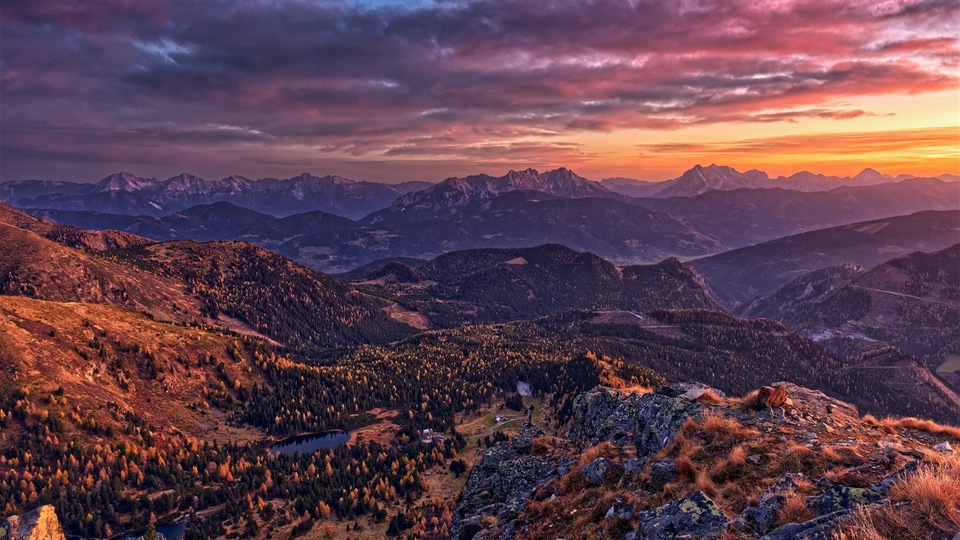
(310, 442)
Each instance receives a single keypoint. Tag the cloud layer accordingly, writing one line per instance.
(249, 85)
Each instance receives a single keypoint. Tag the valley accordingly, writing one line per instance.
(152, 375)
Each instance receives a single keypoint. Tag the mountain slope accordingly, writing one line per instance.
(95, 355)
(301, 308)
(912, 302)
(33, 266)
(493, 285)
(614, 230)
(232, 284)
(69, 235)
(744, 273)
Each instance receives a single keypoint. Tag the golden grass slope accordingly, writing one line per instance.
(69, 235)
(33, 266)
(75, 360)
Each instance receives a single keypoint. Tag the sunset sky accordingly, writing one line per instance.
(390, 90)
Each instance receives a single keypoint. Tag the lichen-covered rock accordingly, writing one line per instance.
(38, 524)
(762, 516)
(662, 472)
(522, 442)
(820, 528)
(595, 472)
(499, 485)
(633, 466)
(694, 516)
(841, 498)
(649, 421)
(883, 486)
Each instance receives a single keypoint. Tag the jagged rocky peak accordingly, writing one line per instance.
(38, 524)
(123, 181)
(470, 190)
(686, 461)
(701, 179)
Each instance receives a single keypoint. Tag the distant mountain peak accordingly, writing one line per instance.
(700, 179)
(870, 174)
(456, 194)
(123, 181)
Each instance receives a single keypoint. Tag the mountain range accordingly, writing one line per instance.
(486, 212)
(700, 179)
(125, 193)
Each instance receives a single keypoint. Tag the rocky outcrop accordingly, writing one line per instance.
(522, 442)
(694, 516)
(499, 486)
(39, 524)
(648, 421)
(784, 431)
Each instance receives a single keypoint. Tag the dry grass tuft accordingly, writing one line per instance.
(634, 389)
(929, 507)
(704, 483)
(605, 450)
(544, 445)
(711, 398)
(749, 401)
(718, 427)
(918, 424)
(794, 510)
(891, 425)
(737, 455)
(933, 494)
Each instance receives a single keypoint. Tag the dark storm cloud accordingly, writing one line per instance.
(286, 78)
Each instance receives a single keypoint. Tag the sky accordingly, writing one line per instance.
(424, 90)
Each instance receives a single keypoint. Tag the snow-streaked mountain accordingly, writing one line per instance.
(701, 179)
(455, 195)
(123, 181)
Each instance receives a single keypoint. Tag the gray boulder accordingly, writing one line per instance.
(522, 442)
(763, 516)
(841, 498)
(595, 472)
(694, 516)
(661, 473)
(649, 421)
(819, 528)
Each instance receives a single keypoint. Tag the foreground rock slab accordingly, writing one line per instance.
(694, 516)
